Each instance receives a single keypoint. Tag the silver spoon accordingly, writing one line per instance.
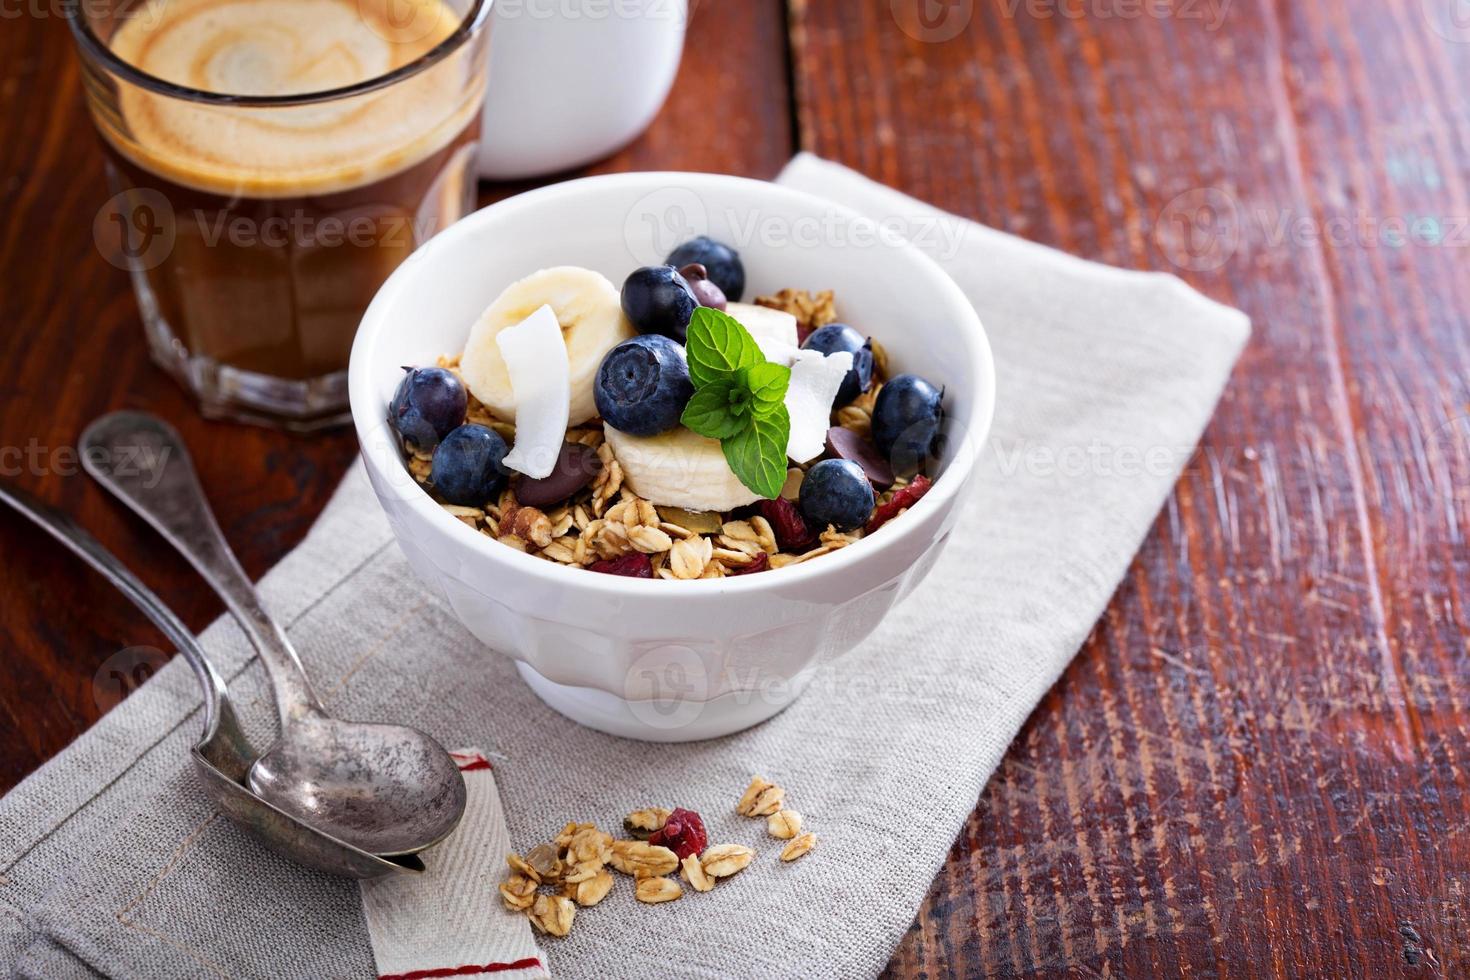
(222, 754)
(386, 789)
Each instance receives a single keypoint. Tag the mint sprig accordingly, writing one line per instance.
(739, 399)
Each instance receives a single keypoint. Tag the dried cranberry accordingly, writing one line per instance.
(792, 533)
(683, 833)
(901, 500)
(632, 565)
(759, 563)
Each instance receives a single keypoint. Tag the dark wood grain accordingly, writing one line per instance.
(71, 348)
(1256, 765)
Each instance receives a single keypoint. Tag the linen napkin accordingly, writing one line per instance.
(113, 862)
(445, 922)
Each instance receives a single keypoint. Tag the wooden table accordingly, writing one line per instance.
(1257, 766)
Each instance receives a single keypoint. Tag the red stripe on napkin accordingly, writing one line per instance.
(465, 971)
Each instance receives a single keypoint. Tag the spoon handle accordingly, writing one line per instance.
(142, 461)
(69, 533)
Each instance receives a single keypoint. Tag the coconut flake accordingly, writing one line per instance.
(766, 325)
(815, 379)
(535, 356)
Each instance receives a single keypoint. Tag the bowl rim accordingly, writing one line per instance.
(377, 454)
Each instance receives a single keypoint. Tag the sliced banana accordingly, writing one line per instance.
(678, 468)
(770, 328)
(586, 305)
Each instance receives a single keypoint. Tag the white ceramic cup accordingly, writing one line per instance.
(661, 660)
(573, 80)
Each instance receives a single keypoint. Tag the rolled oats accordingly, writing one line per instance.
(609, 479)
(561, 521)
(469, 515)
(692, 871)
(635, 857)
(519, 865)
(859, 420)
(791, 489)
(649, 540)
(587, 844)
(811, 310)
(798, 847)
(653, 890)
(512, 541)
(518, 892)
(563, 550)
(724, 860)
(765, 534)
(688, 558)
(761, 798)
(592, 890)
(641, 823)
(553, 914)
(783, 824)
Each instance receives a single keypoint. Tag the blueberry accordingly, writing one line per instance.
(467, 468)
(428, 405)
(906, 421)
(657, 300)
(723, 262)
(836, 492)
(643, 385)
(835, 337)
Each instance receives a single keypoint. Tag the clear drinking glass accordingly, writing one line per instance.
(272, 161)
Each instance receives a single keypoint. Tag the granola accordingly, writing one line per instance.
(615, 488)
(574, 870)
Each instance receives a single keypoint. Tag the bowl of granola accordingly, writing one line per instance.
(670, 441)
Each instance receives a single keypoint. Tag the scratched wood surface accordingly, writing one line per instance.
(1255, 767)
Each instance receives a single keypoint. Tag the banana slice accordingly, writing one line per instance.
(770, 328)
(586, 305)
(678, 468)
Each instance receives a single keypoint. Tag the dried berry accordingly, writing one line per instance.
(792, 533)
(759, 563)
(634, 565)
(683, 833)
(901, 500)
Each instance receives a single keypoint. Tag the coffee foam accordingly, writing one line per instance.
(283, 48)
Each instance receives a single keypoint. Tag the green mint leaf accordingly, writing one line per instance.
(757, 453)
(718, 346)
(709, 412)
(768, 383)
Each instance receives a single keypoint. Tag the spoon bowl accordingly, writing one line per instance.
(222, 755)
(388, 790)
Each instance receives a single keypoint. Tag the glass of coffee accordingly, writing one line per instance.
(272, 161)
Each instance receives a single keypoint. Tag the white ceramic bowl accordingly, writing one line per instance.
(660, 660)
